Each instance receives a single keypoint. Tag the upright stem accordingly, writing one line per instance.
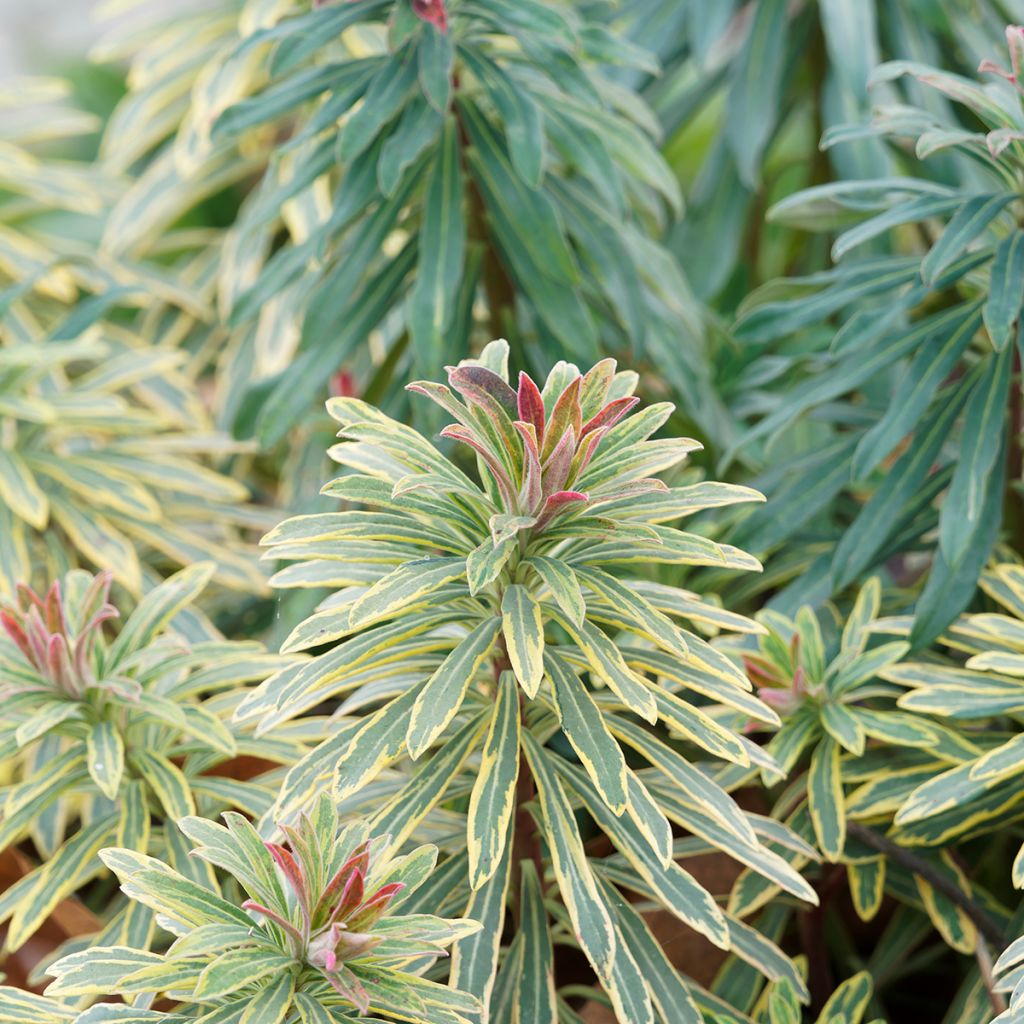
(525, 842)
(811, 929)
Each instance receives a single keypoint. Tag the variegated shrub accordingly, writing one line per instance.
(111, 738)
(489, 630)
(106, 449)
(850, 748)
(421, 167)
(848, 1004)
(322, 932)
(905, 353)
(979, 689)
(1009, 972)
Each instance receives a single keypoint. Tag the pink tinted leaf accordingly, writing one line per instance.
(348, 986)
(38, 638)
(28, 597)
(375, 907)
(433, 12)
(493, 463)
(13, 629)
(531, 491)
(477, 382)
(596, 383)
(531, 405)
(556, 468)
(274, 916)
(565, 416)
(358, 861)
(54, 609)
(585, 453)
(991, 67)
(292, 873)
(443, 397)
(59, 664)
(557, 503)
(610, 414)
(351, 896)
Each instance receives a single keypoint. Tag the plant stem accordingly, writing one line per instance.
(984, 959)
(811, 928)
(986, 925)
(525, 844)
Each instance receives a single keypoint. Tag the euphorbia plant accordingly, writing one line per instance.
(978, 686)
(113, 737)
(107, 451)
(494, 622)
(319, 935)
(850, 755)
(902, 351)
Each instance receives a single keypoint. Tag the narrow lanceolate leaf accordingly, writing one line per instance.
(69, 869)
(475, 958)
(157, 608)
(1006, 289)
(490, 804)
(676, 889)
(667, 988)
(403, 587)
(692, 783)
(235, 969)
(646, 619)
(585, 728)
(273, 1002)
(753, 106)
(105, 753)
(561, 581)
(536, 1003)
(576, 881)
(607, 663)
(97, 971)
(628, 987)
(850, 999)
(485, 562)
(46, 719)
(931, 365)
(974, 215)
(844, 727)
(867, 886)
(162, 889)
(941, 793)
(20, 490)
(442, 236)
(167, 781)
(28, 1008)
(761, 953)
(878, 518)
(648, 817)
(980, 445)
(377, 743)
(825, 798)
(523, 628)
(442, 695)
